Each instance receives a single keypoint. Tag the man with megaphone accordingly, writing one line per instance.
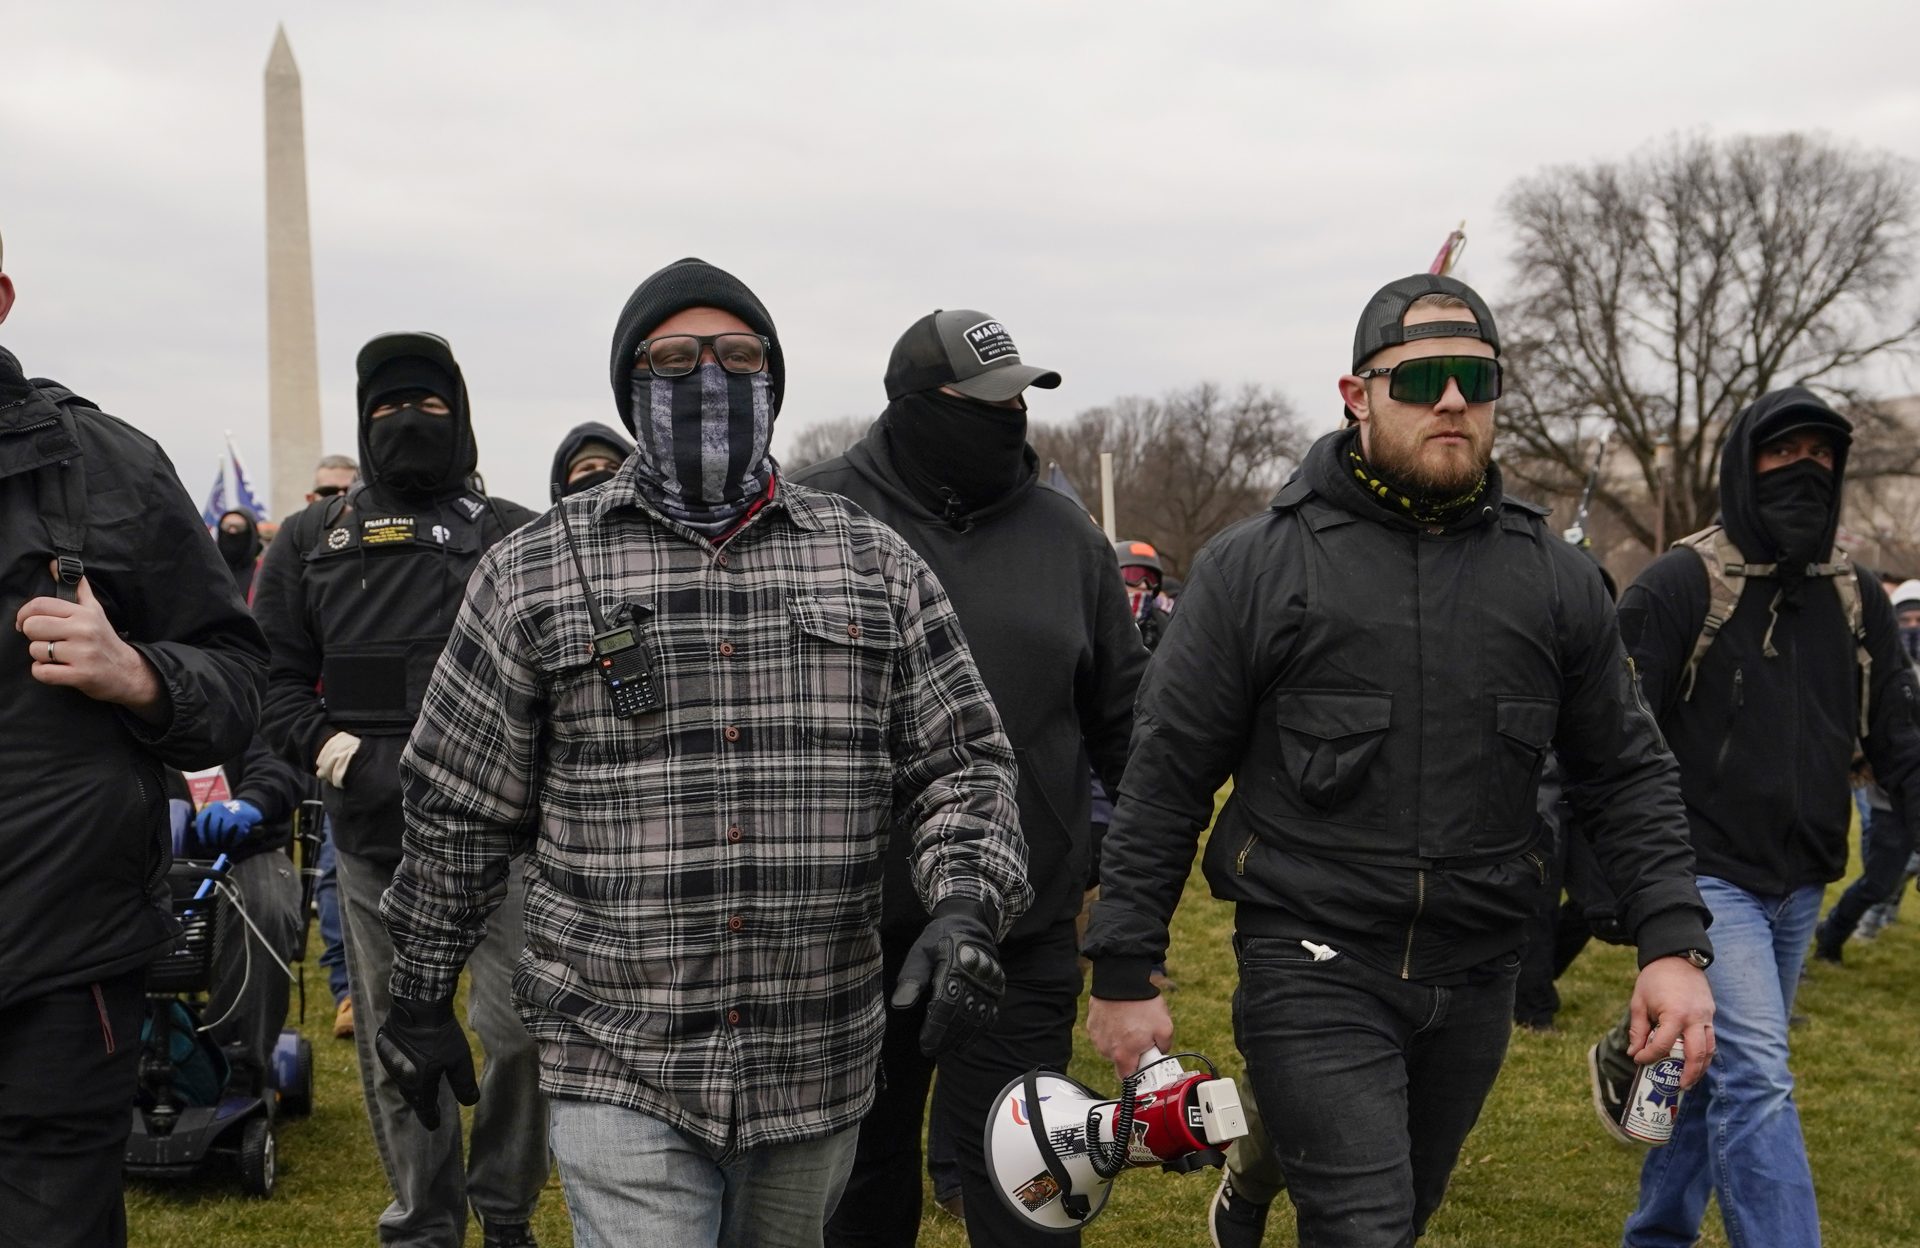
(1381, 662)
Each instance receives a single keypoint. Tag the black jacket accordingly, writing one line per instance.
(1765, 743)
(1039, 597)
(357, 595)
(1384, 697)
(83, 813)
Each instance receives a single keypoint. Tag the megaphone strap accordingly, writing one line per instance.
(1076, 1205)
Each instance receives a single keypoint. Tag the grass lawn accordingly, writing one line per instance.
(1537, 1171)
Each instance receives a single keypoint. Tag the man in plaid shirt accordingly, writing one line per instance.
(703, 869)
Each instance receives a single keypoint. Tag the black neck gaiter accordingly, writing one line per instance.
(957, 454)
(412, 450)
(1796, 509)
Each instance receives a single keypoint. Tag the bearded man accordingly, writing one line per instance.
(1381, 662)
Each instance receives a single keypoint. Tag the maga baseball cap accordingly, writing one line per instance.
(968, 350)
(1380, 325)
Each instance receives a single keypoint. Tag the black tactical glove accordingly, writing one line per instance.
(955, 955)
(420, 1043)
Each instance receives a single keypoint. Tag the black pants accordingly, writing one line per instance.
(1368, 1084)
(68, 1065)
(881, 1205)
(1883, 867)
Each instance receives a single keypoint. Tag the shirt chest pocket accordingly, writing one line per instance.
(844, 649)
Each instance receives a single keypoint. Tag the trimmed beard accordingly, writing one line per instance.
(1394, 450)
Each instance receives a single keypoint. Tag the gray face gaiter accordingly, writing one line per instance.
(702, 444)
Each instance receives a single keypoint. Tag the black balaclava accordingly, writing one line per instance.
(701, 454)
(579, 439)
(957, 454)
(239, 550)
(412, 454)
(1787, 516)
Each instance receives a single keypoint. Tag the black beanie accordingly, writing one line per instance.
(689, 283)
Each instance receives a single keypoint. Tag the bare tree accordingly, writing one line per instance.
(823, 440)
(1186, 465)
(1661, 295)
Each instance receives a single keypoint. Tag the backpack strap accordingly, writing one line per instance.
(61, 490)
(1725, 567)
(1846, 583)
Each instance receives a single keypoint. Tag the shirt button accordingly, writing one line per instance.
(733, 1018)
(722, 559)
(735, 923)
(731, 733)
(853, 630)
(726, 649)
(734, 833)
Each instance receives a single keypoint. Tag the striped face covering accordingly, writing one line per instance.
(702, 444)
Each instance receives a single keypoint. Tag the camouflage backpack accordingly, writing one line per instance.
(1726, 568)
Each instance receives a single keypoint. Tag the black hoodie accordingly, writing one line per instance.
(1764, 744)
(1038, 594)
(577, 437)
(356, 596)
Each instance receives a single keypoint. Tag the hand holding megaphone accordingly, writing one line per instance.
(1125, 1032)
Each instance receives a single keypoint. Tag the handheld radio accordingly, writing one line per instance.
(618, 653)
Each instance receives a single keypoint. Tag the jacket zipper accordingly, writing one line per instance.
(1419, 905)
(1240, 863)
(1539, 866)
(1739, 695)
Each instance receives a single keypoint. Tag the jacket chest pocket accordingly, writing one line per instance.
(1523, 733)
(1330, 743)
(844, 651)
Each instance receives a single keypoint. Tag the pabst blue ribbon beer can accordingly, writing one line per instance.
(1655, 1100)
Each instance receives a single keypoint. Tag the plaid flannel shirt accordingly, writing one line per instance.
(703, 881)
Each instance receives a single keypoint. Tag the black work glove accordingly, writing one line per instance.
(419, 1043)
(955, 957)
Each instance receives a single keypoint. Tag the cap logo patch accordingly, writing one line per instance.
(991, 342)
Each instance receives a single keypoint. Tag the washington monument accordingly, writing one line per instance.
(293, 371)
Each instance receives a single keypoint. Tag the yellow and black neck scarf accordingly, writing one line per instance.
(1442, 511)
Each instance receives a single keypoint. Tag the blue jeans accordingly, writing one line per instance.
(1367, 1083)
(1738, 1137)
(326, 899)
(632, 1179)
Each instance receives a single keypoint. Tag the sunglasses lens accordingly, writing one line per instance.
(1423, 381)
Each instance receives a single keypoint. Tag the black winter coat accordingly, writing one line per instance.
(1039, 596)
(1383, 696)
(83, 811)
(357, 595)
(1765, 743)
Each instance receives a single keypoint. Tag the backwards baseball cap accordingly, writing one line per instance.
(967, 350)
(1380, 324)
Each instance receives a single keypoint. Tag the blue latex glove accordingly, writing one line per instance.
(224, 825)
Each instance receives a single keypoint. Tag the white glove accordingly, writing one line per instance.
(334, 757)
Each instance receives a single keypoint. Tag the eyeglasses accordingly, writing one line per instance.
(328, 491)
(676, 355)
(1137, 576)
(1423, 381)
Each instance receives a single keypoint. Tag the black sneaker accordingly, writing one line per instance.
(1612, 1083)
(1234, 1221)
(508, 1235)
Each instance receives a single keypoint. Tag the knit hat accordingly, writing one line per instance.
(688, 283)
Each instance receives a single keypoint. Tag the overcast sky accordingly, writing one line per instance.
(1148, 195)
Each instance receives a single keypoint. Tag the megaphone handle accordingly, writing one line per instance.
(1161, 1075)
